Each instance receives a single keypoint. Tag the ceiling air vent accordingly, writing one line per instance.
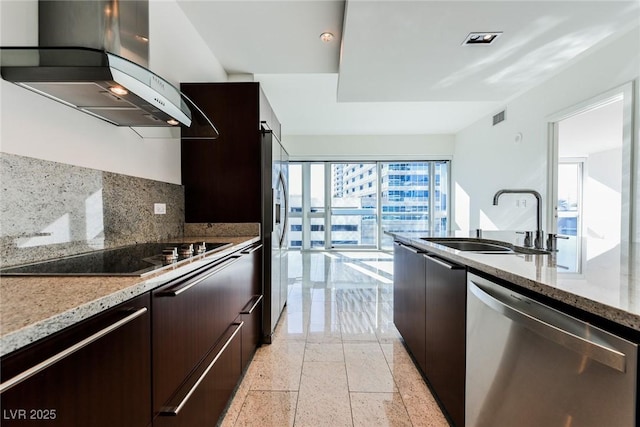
(498, 118)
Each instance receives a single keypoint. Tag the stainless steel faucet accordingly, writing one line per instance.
(538, 241)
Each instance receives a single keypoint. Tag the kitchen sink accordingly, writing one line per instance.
(482, 246)
(471, 246)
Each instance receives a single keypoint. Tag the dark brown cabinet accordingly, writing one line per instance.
(429, 311)
(213, 171)
(251, 314)
(106, 381)
(409, 293)
(204, 333)
(189, 317)
(445, 339)
(242, 177)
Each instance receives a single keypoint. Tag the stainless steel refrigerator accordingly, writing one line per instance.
(275, 212)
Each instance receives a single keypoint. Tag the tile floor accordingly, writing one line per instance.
(336, 357)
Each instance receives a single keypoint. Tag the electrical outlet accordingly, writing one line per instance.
(521, 203)
(159, 208)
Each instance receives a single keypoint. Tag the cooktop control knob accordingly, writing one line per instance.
(186, 250)
(169, 255)
(201, 247)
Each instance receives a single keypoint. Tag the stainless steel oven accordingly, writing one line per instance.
(529, 365)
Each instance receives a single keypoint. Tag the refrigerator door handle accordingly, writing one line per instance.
(283, 185)
(278, 206)
(269, 225)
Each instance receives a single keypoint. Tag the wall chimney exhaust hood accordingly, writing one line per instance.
(92, 57)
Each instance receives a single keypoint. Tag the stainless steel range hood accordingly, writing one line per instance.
(92, 56)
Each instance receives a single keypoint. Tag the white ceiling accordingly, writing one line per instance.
(398, 67)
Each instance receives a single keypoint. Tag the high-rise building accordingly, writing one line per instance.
(403, 192)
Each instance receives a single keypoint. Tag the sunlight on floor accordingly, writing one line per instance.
(336, 357)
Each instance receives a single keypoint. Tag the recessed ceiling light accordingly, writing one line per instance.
(481, 38)
(326, 37)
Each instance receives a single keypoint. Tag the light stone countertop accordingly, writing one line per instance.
(604, 281)
(33, 307)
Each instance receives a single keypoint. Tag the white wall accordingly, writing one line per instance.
(488, 158)
(34, 126)
(597, 137)
(602, 207)
(369, 147)
(176, 51)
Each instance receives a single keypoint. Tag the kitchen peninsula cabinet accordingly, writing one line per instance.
(429, 312)
(106, 382)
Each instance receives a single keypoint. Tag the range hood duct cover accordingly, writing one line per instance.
(88, 48)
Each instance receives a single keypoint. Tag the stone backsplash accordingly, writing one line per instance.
(221, 229)
(49, 210)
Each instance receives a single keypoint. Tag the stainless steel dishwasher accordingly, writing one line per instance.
(531, 365)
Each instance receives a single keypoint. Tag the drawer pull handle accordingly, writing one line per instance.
(173, 410)
(444, 263)
(253, 307)
(69, 351)
(252, 250)
(189, 285)
(409, 248)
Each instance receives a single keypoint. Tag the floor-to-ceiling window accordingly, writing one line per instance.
(317, 205)
(295, 205)
(350, 205)
(354, 201)
(414, 198)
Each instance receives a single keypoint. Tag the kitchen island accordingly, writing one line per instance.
(607, 285)
(464, 338)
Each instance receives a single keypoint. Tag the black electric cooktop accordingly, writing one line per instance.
(134, 260)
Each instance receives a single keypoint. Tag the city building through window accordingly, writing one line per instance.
(337, 205)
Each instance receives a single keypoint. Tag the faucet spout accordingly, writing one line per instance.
(538, 242)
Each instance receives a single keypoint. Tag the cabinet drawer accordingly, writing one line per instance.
(190, 315)
(96, 373)
(252, 331)
(203, 396)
